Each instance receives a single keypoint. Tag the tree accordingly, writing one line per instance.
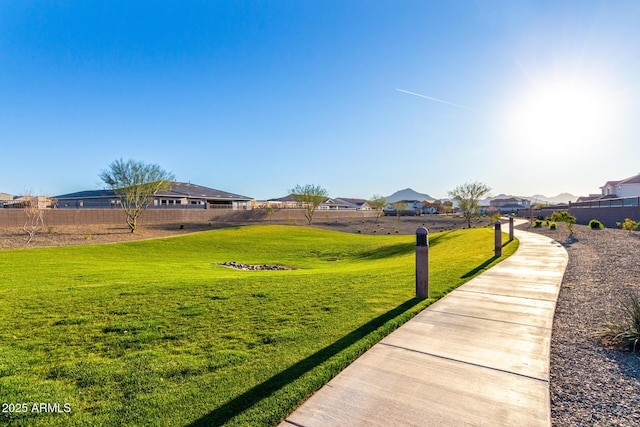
(378, 203)
(136, 184)
(310, 196)
(468, 196)
(400, 206)
(33, 207)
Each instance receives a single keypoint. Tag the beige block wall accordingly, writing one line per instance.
(59, 217)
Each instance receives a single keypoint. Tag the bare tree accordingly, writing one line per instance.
(136, 184)
(467, 196)
(310, 196)
(34, 208)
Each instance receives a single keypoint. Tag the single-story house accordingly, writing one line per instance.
(437, 206)
(412, 207)
(328, 204)
(286, 202)
(588, 198)
(42, 202)
(358, 204)
(5, 199)
(510, 204)
(344, 204)
(182, 195)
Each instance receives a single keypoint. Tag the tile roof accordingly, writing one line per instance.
(632, 180)
(178, 189)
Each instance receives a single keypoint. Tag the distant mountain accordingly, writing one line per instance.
(535, 199)
(560, 198)
(408, 194)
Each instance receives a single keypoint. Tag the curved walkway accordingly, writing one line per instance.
(479, 356)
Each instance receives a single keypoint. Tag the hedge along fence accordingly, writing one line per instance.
(58, 217)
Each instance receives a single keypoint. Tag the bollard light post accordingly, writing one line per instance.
(422, 263)
(510, 228)
(498, 239)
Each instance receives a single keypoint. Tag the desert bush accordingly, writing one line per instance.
(553, 226)
(564, 216)
(537, 223)
(627, 333)
(628, 224)
(595, 224)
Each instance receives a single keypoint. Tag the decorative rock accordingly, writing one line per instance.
(249, 267)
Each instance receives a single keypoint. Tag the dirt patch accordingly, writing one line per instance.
(71, 235)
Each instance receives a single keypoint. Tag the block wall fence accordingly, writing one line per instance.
(609, 216)
(59, 217)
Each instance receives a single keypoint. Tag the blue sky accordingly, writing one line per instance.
(254, 97)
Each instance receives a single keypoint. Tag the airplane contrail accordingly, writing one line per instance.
(439, 100)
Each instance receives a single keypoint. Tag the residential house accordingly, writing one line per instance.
(42, 202)
(358, 204)
(286, 202)
(5, 199)
(629, 187)
(404, 207)
(330, 204)
(588, 198)
(509, 204)
(437, 206)
(181, 195)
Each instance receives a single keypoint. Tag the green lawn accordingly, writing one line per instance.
(155, 333)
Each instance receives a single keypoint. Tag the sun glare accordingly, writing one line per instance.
(564, 116)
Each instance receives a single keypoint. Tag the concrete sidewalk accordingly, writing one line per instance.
(477, 357)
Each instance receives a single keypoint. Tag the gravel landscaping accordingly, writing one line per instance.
(592, 384)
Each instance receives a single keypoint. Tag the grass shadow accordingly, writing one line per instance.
(389, 251)
(246, 400)
(440, 238)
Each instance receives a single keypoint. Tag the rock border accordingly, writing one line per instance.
(250, 267)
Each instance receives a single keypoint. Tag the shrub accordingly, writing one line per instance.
(564, 216)
(537, 223)
(626, 334)
(595, 224)
(553, 226)
(628, 224)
